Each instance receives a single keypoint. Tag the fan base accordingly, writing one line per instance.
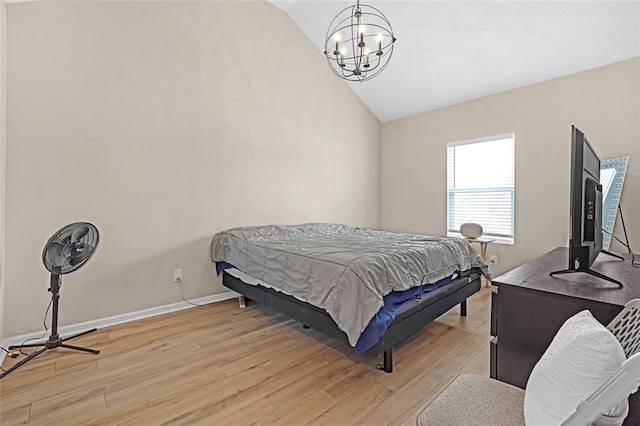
(54, 341)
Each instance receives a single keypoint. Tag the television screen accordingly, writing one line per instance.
(585, 208)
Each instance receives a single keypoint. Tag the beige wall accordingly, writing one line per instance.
(603, 102)
(3, 81)
(163, 123)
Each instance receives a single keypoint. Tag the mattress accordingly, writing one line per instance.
(344, 270)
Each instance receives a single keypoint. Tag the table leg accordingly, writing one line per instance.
(483, 253)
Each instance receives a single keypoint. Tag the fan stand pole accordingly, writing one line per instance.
(54, 340)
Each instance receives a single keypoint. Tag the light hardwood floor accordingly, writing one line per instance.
(220, 364)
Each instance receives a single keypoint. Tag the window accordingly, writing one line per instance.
(480, 186)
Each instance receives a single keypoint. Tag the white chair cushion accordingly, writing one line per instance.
(582, 355)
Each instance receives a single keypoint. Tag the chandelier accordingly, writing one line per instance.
(359, 43)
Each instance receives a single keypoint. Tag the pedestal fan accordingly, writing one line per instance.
(67, 250)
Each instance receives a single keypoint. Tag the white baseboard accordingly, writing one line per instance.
(119, 319)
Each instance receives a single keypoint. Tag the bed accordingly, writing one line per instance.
(344, 281)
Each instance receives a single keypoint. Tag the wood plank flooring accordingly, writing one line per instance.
(219, 364)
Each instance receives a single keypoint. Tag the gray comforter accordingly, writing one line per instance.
(342, 269)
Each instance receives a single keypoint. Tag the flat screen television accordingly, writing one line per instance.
(585, 209)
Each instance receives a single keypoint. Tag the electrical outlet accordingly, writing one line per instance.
(177, 276)
(493, 259)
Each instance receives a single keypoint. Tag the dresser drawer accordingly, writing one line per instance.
(493, 358)
(494, 311)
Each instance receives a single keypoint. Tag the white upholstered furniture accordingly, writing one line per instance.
(475, 400)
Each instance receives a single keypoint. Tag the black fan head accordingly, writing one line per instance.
(70, 248)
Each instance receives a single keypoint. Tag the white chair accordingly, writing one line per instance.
(476, 400)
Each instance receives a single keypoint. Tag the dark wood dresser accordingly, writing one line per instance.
(528, 307)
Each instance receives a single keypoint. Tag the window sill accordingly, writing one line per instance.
(496, 240)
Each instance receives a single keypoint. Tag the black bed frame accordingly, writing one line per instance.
(412, 318)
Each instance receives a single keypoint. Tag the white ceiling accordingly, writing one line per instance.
(453, 51)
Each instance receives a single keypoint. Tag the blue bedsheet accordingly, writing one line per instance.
(393, 303)
(221, 266)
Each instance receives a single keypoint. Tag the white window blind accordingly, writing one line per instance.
(480, 186)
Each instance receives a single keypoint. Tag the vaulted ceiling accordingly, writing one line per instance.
(453, 51)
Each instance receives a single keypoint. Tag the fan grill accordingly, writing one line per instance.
(70, 248)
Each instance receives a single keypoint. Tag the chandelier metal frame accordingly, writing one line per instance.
(359, 43)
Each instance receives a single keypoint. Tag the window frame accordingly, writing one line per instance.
(496, 238)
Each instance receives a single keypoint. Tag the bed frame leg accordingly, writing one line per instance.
(463, 308)
(242, 302)
(387, 359)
